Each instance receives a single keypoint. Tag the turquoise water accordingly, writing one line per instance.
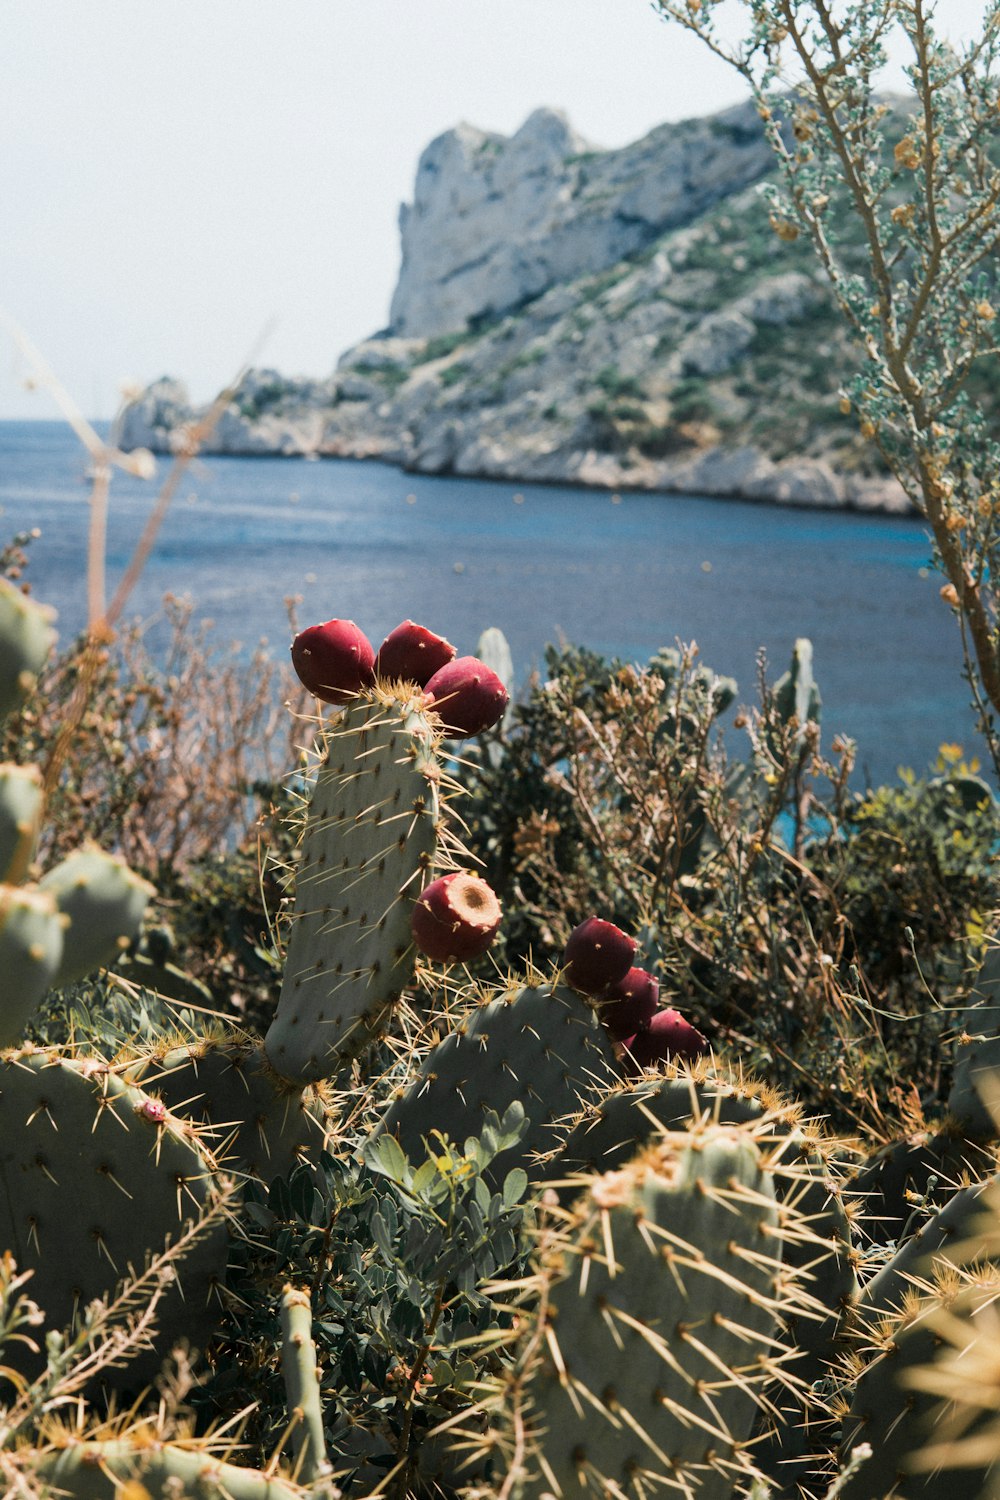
(367, 542)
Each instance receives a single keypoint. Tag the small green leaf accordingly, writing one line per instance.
(515, 1185)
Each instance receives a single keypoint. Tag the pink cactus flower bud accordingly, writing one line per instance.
(667, 1035)
(334, 660)
(597, 955)
(412, 653)
(152, 1109)
(455, 917)
(468, 697)
(630, 1004)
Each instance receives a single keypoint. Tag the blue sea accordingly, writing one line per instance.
(621, 575)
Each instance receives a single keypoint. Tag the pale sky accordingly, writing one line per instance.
(178, 175)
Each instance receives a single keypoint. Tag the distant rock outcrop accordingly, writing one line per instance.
(620, 318)
(496, 221)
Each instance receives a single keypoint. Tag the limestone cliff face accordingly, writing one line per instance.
(496, 221)
(619, 318)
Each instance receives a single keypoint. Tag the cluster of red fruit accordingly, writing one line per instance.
(598, 962)
(336, 660)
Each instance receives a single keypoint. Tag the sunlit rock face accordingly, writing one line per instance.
(497, 220)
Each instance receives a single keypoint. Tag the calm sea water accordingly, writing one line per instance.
(367, 542)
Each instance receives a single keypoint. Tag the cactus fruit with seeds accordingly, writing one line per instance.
(412, 653)
(597, 955)
(540, 1046)
(94, 1182)
(334, 660)
(370, 836)
(661, 1293)
(455, 918)
(468, 697)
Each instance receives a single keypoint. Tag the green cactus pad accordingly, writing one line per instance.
(21, 801)
(370, 836)
(256, 1123)
(26, 638)
(104, 901)
(92, 1184)
(894, 1412)
(961, 1232)
(615, 1125)
(974, 1101)
(661, 1293)
(141, 1465)
(541, 1047)
(31, 950)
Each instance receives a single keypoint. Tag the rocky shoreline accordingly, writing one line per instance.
(624, 320)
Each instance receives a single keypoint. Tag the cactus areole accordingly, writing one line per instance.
(597, 955)
(455, 917)
(412, 653)
(334, 660)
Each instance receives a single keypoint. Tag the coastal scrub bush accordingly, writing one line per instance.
(918, 285)
(821, 934)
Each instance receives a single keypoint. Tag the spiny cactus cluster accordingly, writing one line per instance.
(619, 1266)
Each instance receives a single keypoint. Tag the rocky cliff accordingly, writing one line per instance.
(625, 318)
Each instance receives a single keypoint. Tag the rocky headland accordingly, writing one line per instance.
(622, 318)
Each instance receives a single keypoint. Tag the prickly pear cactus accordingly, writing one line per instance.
(21, 805)
(26, 638)
(102, 901)
(95, 1178)
(256, 1123)
(32, 933)
(141, 1466)
(370, 837)
(659, 1298)
(901, 1410)
(974, 1102)
(541, 1046)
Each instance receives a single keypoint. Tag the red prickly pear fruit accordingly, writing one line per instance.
(455, 917)
(334, 660)
(667, 1035)
(412, 653)
(468, 697)
(629, 1005)
(597, 955)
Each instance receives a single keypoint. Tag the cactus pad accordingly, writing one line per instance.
(257, 1123)
(661, 1292)
(21, 799)
(31, 951)
(370, 836)
(26, 638)
(93, 1182)
(541, 1047)
(141, 1466)
(103, 901)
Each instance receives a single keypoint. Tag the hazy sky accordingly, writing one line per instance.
(176, 175)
